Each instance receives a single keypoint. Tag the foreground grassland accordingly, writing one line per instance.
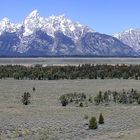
(45, 118)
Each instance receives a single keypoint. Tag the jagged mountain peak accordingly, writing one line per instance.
(32, 22)
(62, 16)
(5, 20)
(62, 20)
(53, 24)
(128, 31)
(130, 37)
(34, 13)
(7, 26)
(61, 23)
(49, 25)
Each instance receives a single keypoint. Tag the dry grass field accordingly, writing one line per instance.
(45, 118)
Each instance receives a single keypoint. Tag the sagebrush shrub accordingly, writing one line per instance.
(81, 104)
(93, 123)
(26, 98)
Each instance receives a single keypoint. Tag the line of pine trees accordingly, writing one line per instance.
(87, 71)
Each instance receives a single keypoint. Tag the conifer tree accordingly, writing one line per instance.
(101, 119)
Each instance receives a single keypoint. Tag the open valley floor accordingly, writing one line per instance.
(45, 118)
(64, 61)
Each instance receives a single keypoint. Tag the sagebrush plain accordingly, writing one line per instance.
(45, 118)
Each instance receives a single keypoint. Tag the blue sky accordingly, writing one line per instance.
(105, 16)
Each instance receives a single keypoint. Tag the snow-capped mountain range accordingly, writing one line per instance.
(58, 36)
(130, 37)
(53, 24)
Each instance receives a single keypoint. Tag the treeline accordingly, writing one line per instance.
(86, 71)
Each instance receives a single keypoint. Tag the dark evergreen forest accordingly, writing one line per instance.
(86, 71)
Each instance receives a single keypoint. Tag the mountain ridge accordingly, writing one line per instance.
(57, 36)
(130, 37)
